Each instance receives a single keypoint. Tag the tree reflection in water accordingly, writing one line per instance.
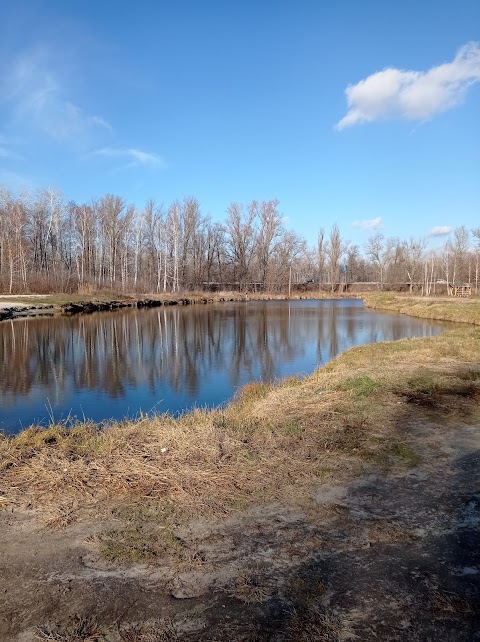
(113, 364)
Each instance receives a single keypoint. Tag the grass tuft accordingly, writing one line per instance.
(135, 544)
(405, 453)
(362, 385)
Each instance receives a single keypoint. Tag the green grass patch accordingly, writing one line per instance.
(405, 453)
(292, 428)
(361, 385)
(383, 452)
(428, 388)
(238, 503)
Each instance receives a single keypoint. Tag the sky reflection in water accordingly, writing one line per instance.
(112, 365)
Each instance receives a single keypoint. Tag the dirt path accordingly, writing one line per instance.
(392, 555)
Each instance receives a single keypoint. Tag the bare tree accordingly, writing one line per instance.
(193, 228)
(322, 257)
(289, 248)
(354, 264)
(414, 251)
(476, 235)
(269, 234)
(109, 210)
(173, 234)
(153, 223)
(336, 247)
(459, 247)
(215, 254)
(13, 249)
(138, 222)
(380, 252)
(84, 242)
(429, 274)
(241, 240)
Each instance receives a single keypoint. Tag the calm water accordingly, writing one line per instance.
(110, 365)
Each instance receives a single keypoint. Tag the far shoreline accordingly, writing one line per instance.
(16, 306)
(36, 305)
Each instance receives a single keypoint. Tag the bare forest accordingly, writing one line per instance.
(49, 244)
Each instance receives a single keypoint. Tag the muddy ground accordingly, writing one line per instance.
(385, 555)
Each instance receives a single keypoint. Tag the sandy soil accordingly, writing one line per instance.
(388, 556)
(5, 304)
(20, 305)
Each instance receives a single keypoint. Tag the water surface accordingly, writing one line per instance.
(117, 364)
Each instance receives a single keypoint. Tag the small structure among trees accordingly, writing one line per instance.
(464, 290)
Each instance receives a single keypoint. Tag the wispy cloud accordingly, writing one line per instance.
(7, 153)
(15, 180)
(100, 122)
(6, 149)
(131, 157)
(413, 95)
(36, 95)
(440, 230)
(368, 224)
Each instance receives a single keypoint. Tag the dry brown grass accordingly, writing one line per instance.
(159, 631)
(80, 630)
(251, 586)
(442, 308)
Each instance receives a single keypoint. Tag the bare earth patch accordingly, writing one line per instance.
(390, 556)
(6, 304)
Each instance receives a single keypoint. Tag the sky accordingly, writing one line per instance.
(365, 114)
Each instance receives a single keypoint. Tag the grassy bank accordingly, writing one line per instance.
(442, 309)
(272, 442)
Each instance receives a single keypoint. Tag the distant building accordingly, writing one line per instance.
(462, 290)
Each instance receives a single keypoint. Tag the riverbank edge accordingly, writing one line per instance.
(55, 305)
(435, 309)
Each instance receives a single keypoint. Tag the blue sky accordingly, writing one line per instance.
(247, 100)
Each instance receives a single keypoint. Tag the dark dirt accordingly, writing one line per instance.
(392, 556)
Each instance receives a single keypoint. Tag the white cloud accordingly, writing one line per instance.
(440, 230)
(66, 121)
(368, 224)
(132, 157)
(413, 95)
(36, 95)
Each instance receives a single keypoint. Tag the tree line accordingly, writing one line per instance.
(49, 244)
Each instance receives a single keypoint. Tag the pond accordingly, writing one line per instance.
(169, 359)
